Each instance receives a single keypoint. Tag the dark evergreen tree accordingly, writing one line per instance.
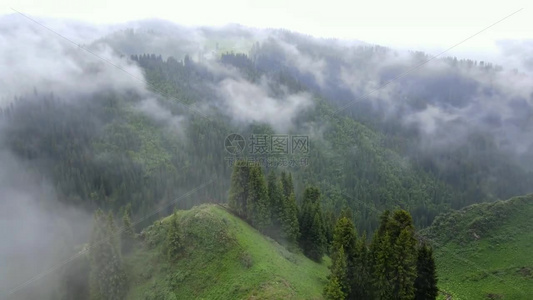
(338, 285)
(174, 243)
(258, 199)
(426, 279)
(333, 290)
(239, 190)
(348, 213)
(291, 227)
(127, 233)
(107, 276)
(330, 222)
(286, 183)
(312, 237)
(277, 205)
(382, 267)
(393, 255)
(404, 265)
(317, 239)
(362, 278)
(345, 238)
(290, 222)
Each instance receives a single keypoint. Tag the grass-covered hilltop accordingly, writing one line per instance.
(222, 257)
(484, 251)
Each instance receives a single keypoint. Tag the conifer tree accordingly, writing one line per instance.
(112, 231)
(286, 183)
(107, 278)
(338, 284)
(239, 190)
(291, 227)
(347, 212)
(345, 238)
(380, 255)
(317, 239)
(426, 280)
(405, 254)
(258, 199)
(362, 277)
(312, 237)
(399, 221)
(127, 234)
(277, 205)
(393, 256)
(404, 265)
(174, 241)
(381, 268)
(290, 222)
(329, 228)
(333, 290)
(305, 220)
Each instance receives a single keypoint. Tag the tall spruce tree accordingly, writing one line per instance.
(312, 236)
(258, 199)
(404, 265)
(426, 280)
(362, 281)
(174, 243)
(291, 227)
(277, 205)
(107, 277)
(347, 212)
(290, 223)
(329, 228)
(393, 255)
(338, 284)
(127, 233)
(317, 238)
(381, 267)
(333, 290)
(239, 190)
(345, 238)
(286, 183)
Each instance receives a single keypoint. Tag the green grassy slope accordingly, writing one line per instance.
(224, 258)
(484, 251)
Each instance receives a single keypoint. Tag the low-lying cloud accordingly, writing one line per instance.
(35, 58)
(38, 232)
(152, 108)
(247, 102)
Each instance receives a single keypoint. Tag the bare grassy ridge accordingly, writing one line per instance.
(224, 258)
(484, 251)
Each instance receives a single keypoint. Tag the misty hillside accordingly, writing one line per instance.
(137, 117)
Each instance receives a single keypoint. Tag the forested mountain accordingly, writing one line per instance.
(139, 120)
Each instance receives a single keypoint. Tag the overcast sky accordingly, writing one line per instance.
(424, 25)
